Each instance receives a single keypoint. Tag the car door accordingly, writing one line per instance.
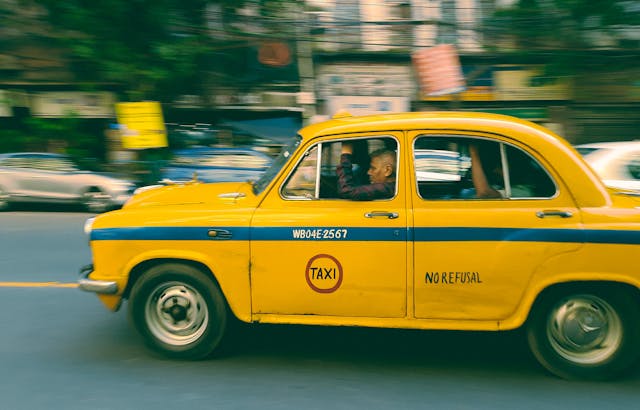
(52, 177)
(313, 253)
(16, 171)
(474, 254)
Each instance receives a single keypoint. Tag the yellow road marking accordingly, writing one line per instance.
(37, 285)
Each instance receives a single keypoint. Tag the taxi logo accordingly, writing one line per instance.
(324, 273)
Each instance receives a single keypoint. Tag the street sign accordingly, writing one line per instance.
(141, 125)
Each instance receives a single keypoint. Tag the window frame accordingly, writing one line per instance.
(336, 139)
(504, 161)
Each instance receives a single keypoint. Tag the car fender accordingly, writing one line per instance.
(541, 283)
(235, 287)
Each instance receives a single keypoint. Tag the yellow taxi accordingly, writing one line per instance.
(440, 220)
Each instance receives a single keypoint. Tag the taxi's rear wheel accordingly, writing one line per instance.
(179, 311)
(585, 333)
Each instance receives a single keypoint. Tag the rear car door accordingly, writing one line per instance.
(474, 253)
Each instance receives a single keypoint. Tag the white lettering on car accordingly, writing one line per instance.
(319, 233)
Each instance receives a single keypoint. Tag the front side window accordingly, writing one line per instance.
(456, 167)
(354, 169)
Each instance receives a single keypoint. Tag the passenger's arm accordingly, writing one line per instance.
(478, 177)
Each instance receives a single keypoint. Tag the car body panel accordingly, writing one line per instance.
(448, 264)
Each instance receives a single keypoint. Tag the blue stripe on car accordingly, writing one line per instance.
(420, 234)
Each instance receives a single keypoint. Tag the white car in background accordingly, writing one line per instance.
(617, 163)
(39, 177)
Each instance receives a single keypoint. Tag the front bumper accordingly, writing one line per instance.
(102, 287)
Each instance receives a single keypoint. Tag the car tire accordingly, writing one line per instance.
(96, 201)
(586, 332)
(179, 311)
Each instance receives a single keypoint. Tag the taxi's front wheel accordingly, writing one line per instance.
(586, 332)
(179, 311)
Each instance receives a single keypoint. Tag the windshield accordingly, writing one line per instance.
(277, 165)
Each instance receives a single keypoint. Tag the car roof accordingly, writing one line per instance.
(32, 154)
(431, 120)
(541, 139)
(217, 150)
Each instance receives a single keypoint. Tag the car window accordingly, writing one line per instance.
(633, 166)
(17, 162)
(452, 167)
(57, 164)
(315, 176)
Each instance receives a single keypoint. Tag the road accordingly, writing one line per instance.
(60, 349)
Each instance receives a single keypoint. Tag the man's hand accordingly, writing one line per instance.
(347, 148)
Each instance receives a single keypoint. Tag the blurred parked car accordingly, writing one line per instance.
(617, 163)
(54, 178)
(216, 164)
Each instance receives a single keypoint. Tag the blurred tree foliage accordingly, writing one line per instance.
(572, 36)
(143, 50)
(155, 50)
(70, 135)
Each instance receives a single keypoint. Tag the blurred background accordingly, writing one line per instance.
(233, 73)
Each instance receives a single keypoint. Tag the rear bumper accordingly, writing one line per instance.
(102, 287)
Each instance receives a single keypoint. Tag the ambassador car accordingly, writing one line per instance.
(47, 178)
(493, 223)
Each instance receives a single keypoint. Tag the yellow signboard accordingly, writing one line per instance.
(141, 125)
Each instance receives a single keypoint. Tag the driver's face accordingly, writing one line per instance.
(379, 170)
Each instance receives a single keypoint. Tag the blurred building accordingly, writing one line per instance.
(311, 59)
(363, 65)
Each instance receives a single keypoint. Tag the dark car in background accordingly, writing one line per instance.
(214, 164)
(36, 177)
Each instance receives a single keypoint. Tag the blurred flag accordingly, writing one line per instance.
(439, 71)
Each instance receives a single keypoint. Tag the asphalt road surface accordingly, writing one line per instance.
(60, 349)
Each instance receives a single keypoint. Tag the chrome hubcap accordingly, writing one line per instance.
(96, 201)
(176, 313)
(584, 329)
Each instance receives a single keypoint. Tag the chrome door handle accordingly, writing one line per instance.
(378, 214)
(561, 214)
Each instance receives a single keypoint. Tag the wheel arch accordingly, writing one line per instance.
(558, 329)
(564, 287)
(533, 297)
(141, 267)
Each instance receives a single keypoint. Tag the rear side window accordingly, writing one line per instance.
(458, 167)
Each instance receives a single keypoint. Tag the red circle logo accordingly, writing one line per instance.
(324, 273)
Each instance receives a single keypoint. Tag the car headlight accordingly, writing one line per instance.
(88, 225)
